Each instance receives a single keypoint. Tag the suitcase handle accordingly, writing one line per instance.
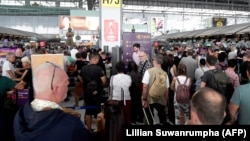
(151, 114)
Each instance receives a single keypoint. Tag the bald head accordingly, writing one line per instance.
(214, 97)
(19, 52)
(50, 83)
(209, 106)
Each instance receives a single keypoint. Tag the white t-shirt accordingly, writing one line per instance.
(8, 66)
(73, 53)
(232, 55)
(182, 80)
(121, 81)
(199, 72)
(66, 63)
(146, 76)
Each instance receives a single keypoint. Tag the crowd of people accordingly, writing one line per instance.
(43, 117)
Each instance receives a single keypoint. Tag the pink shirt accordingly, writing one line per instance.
(136, 57)
(234, 78)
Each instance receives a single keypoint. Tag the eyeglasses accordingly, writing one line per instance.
(55, 66)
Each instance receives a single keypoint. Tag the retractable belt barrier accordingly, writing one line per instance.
(83, 107)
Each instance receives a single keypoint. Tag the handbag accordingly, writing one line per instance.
(111, 101)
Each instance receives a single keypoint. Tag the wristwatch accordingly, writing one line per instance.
(144, 98)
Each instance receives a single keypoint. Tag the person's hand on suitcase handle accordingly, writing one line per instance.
(145, 103)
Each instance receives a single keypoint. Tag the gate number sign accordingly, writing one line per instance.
(111, 3)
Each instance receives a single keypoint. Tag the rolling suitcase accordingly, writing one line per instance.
(149, 117)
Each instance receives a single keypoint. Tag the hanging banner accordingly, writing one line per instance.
(78, 23)
(157, 26)
(111, 23)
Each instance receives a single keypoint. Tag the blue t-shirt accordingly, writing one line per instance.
(241, 98)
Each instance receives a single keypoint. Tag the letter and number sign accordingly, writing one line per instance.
(111, 3)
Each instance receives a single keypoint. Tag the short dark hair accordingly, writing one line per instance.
(222, 56)
(65, 52)
(120, 66)
(78, 55)
(137, 45)
(211, 60)
(231, 63)
(84, 55)
(93, 55)
(209, 111)
(132, 66)
(203, 61)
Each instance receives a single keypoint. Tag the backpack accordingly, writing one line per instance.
(182, 92)
(91, 84)
(92, 87)
(220, 81)
(158, 87)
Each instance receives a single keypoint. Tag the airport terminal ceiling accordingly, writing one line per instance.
(193, 7)
(236, 5)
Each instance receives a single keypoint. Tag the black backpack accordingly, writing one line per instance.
(91, 85)
(220, 82)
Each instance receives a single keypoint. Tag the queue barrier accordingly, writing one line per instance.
(82, 107)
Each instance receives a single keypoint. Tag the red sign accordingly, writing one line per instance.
(110, 30)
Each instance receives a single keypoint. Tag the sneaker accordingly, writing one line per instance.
(139, 123)
(133, 123)
(169, 122)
